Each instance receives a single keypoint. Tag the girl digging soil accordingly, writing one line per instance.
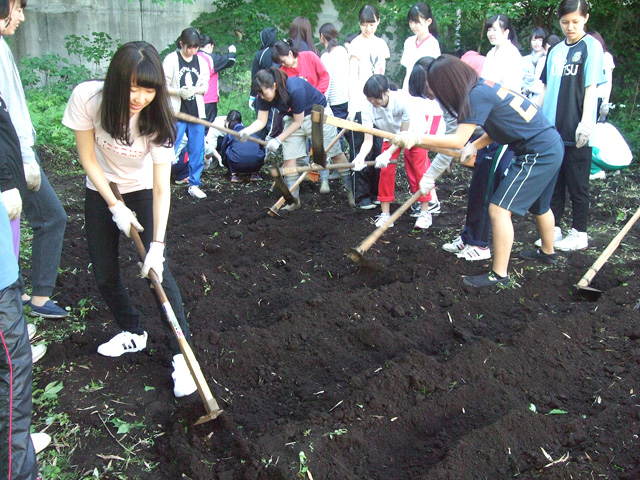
(508, 118)
(294, 98)
(128, 140)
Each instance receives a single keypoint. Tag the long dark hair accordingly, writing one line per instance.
(377, 85)
(418, 80)
(266, 79)
(330, 32)
(422, 10)
(300, 29)
(5, 9)
(451, 81)
(505, 24)
(282, 49)
(570, 6)
(137, 63)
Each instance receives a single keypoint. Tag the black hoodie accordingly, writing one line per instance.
(262, 59)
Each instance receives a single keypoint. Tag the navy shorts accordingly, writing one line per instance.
(529, 183)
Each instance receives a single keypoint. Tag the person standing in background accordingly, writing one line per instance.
(604, 90)
(40, 204)
(300, 34)
(424, 42)
(216, 63)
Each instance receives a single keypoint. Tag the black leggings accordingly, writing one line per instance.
(103, 238)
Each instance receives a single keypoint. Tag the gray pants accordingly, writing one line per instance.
(48, 220)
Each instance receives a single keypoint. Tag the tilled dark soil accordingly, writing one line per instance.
(389, 369)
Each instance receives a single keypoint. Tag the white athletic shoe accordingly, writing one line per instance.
(124, 342)
(382, 219)
(574, 240)
(31, 330)
(434, 207)
(473, 253)
(183, 383)
(423, 221)
(40, 441)
(195, 191)
(454, 247)
(37, 352)
(557, 235)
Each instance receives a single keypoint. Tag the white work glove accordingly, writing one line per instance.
(273, 145)
(32, 175)
(154, 259)
(124, 218)
(243, 135)
(186, 93)
(427, 183)
(358, 163)
(407, 139)
(383, 159)
(12, 202)
(466, 154)
(232, 49)
(604, 110)
(252, 103)
(582, 134)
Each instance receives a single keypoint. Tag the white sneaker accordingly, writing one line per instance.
(382, 219)
(454, 247)
(40, 441)
(183, 383)
(195, 191)
(31, 330)
(598, 175)
(473, 253)
(423, 221)
(557, 235)
(574, 240)
(37, 352)
(124, 342)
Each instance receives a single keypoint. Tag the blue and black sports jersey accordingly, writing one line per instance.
(302, 97)
(509, 118)
(568, 71)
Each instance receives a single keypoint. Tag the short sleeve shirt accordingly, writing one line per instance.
(508, 117)
(389, 118)
(371, 55)
(569, 70)
(131, 167)
(302, 97)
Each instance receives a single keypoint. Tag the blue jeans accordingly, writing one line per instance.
(195, 149)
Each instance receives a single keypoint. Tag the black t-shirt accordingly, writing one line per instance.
(302, 97)
(11, 170)
(189, 75)
(509, 118)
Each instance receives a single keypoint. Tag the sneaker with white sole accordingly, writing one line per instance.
(557, 235)
(423, 221)
(124, 342)
(40, 441)
(195, 191)
(454, 247)
(434, 207)
(473, 253)
(183, 383)
(31, 330)
(574, 240)
(37, 352)
(382, 219)
(415, 209)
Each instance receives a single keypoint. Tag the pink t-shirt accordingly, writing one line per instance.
(131, 167)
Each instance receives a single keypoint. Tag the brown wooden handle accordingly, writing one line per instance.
(318, 168)
(356, 127)
(191, 119)
(604, 256)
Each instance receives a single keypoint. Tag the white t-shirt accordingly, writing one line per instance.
(131, 167)
(389, 118)
(414, 51)
(504, 66)
(337, 64)
(426, 116)
(608, 65)
(371, 55)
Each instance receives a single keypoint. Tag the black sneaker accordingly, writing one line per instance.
(415, 210)
(366, 204)
(539, 256)
(485, 280)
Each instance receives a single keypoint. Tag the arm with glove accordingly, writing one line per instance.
(583, 132)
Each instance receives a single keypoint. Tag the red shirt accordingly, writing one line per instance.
(311, 69)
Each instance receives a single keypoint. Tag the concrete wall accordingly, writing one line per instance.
(49, 21)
